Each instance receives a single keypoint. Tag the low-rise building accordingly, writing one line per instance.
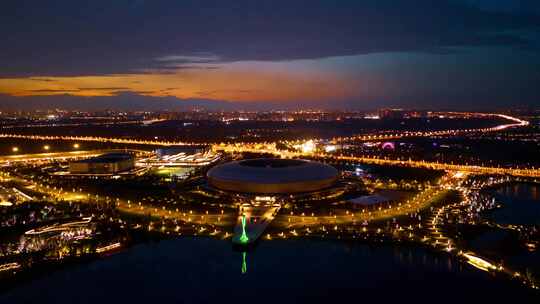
(109, 163)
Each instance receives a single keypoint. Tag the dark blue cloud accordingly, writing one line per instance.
(66, 37)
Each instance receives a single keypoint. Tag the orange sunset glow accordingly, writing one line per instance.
(234, 82)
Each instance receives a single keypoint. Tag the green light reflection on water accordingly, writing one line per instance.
(244, 264)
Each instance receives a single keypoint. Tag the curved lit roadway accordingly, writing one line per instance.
(530, 172)
(136, 208)
(515, 122)
(270, 148)
(57, 155)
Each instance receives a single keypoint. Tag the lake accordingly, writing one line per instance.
(521, 204)
(205, 270)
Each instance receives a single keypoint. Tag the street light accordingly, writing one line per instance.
(46, 147)
(15, 149)
(76, 146)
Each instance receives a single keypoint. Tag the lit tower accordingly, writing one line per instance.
(244, 238)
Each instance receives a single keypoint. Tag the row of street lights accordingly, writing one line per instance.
(16, 149)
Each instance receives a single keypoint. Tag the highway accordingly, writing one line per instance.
(271, 148)
(522, 172)
(54, 155)
(98, 139)
(514, 122)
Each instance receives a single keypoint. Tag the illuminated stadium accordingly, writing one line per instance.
(272, 176)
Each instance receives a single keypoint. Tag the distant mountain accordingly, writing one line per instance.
(130, 101)
(125, 101)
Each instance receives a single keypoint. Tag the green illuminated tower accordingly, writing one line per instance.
(244, 238)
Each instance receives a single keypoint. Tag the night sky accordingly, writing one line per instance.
(454, 54)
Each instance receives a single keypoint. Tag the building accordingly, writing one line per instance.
(187, 150)
(401, 114)
(181, 156)
(109, 163)
(272, 176)
(391, 113)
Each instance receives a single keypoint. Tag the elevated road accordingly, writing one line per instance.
(271, 148)
(98, 139)
(58, 155)
(513, 122)
(527, 172)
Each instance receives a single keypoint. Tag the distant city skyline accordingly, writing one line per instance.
(170, 55)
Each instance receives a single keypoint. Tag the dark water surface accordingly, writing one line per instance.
(203, 270)
(521, 204)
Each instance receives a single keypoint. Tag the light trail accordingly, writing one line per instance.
(108, 247)
(9, 266)
(59, 227)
